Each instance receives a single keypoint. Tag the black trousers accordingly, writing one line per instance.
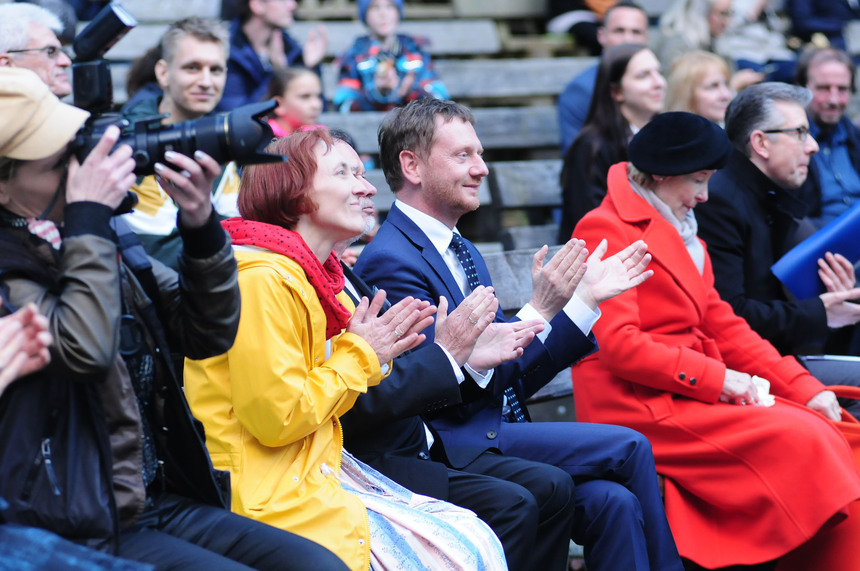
(179, 533)
(532, 517)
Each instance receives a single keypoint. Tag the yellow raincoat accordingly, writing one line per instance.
(270, 406)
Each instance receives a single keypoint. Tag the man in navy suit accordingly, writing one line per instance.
(431, 157)
(385, 428)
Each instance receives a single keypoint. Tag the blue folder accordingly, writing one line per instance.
(798, 269)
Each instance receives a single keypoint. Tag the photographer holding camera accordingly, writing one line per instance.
(100, 446)
(191, 74)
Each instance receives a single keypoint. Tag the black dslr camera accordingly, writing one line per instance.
(239, 135)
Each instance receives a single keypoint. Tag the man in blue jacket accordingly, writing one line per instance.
(431, 157)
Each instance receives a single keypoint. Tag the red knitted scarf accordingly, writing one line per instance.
(326, 279)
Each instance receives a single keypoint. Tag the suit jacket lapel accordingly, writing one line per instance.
(417, 236)
(362, 287)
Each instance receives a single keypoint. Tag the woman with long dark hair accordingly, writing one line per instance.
(628, 92)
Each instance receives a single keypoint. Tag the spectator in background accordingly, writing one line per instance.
(755, 38)
(28, 39)
(693, 25)
(87, 9)
(191, 73)
(581, 19)
(624, 23)
(827, 17)
(699, 83)
(259, 44)
(628, 93)
(298, 92)
(833, 183)
(384, 69)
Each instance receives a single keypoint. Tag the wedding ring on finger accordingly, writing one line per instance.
(398, 333)
(472, 321)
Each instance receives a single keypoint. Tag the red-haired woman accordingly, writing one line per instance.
(270, 405)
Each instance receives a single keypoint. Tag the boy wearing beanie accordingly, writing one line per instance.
(384, 69)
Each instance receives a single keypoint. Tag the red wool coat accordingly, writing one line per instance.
(744, 484)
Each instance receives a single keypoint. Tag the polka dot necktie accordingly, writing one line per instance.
(459, 246)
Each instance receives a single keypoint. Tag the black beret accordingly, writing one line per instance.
(677, 142)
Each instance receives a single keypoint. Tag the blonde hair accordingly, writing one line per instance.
(685, 76)
(642, 178)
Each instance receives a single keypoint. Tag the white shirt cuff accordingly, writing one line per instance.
(528, 312)
(457, 371)
(576, 310)
(481, 378)
(581, 315)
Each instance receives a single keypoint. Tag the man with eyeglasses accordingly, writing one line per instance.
(28, 39)
(751, 217)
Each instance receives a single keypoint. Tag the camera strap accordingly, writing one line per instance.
(61, 187)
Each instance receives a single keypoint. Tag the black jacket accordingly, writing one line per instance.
(195, 315)
(583, 179)
(384, 427)
(747, 223)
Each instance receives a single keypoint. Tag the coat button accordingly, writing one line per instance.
(682, 376)
(491, 434)
(692, 381)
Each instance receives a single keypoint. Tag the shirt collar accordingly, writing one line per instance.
(438, 234)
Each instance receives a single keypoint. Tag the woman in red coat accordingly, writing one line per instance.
(746, 482)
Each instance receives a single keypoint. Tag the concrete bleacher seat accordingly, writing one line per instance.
(166, 11)
(485, 79)
(439, 37)
(442, 37)
(467, 80)
(497, 127)
(526, 185)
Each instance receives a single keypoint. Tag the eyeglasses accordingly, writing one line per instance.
(53, 52)
(800, 132)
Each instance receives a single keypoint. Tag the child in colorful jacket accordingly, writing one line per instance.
(384, 69)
